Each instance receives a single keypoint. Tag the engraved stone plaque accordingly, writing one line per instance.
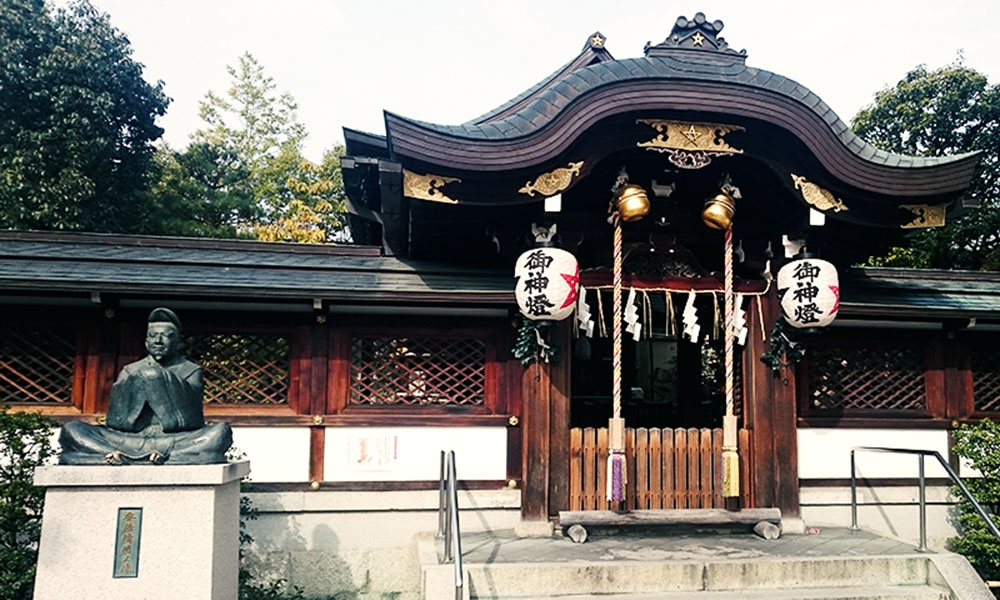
(127, 542)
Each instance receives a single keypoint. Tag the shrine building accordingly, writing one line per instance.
(345, 369)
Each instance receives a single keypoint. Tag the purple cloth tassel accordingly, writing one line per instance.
(617, 477)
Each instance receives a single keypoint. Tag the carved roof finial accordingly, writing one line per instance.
(697, 35)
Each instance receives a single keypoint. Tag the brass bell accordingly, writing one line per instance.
(719, 210)
(632, 203)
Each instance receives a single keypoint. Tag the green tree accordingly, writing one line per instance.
(77, 121)
(979, 444)
(293, 199)
(311, 201)
(951, 110)
(25, 443)
(201, 192)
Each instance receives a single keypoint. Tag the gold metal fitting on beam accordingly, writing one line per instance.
(719, 210)
(632, 203)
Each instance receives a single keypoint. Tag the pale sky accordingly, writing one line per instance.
(447, 61)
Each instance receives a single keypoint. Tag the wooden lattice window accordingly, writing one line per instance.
(36, 366)
(242, 368)
(866, 379)
(417, 371)
(985, 379)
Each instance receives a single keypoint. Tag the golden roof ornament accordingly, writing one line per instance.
(553, 182)
(427, 187)
(817, 197)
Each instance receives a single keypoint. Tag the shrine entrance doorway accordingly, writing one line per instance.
(673, 402)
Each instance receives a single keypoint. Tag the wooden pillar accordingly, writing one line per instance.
(771, 416)
(536, 397)
(559, 420)
(545, 398)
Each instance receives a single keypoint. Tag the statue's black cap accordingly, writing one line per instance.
(164, 315)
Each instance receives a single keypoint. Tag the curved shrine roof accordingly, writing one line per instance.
(692, 71)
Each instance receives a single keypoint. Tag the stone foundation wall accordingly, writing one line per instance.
(892, 511)
(360, 545)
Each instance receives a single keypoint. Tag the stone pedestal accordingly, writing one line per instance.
(183, 543)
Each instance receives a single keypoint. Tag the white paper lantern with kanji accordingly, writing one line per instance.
(809, 292)
(546, 283)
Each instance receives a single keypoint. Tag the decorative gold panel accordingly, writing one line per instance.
(925, 215)
(682, 135)
(553, 182)
(816, 196)
(427, 187)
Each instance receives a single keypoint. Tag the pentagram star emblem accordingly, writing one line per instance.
(692, 134)
(698, 39)
(597, 41)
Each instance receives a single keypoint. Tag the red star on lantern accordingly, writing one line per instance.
(573, 281)
(836, 295)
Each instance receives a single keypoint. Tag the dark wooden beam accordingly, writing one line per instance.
(317, 453)
(395, 209)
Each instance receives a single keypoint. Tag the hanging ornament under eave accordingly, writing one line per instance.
(809, 292)
(546, 283)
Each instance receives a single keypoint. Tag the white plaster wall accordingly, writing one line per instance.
(413, 453)
(964, 470)
(826, 453)
(276, 454)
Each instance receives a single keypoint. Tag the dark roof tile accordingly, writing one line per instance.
(519, 123)
(55, 263)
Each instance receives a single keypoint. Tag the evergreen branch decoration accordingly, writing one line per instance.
(531, 345)
(784, 342)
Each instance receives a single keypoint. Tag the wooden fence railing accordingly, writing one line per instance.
(666, 468)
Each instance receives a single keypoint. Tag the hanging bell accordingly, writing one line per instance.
(719, 210)
(632, 203)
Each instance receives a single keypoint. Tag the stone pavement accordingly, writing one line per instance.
(505, 547)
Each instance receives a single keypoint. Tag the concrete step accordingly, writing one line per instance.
(555, 579)
(901, 592)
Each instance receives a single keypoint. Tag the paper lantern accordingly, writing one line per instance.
(546, 283)
(809, 292)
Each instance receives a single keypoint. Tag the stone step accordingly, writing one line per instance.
(552, 579)
(900, 592)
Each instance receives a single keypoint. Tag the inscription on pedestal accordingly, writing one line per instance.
(127, 542)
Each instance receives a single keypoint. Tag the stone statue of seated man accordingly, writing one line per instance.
(154, 412)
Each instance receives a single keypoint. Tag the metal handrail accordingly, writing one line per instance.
(923, 489)
(448, 519)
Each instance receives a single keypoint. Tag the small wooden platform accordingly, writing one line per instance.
(690, 520)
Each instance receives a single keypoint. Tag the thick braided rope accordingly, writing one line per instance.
(728, 292)
(617, 322)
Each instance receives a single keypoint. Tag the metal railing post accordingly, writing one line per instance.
(923, 506)
(922, 482)
(448, 533)
(453, 485)
(854, 496)
(448, 519)
(442, 500)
